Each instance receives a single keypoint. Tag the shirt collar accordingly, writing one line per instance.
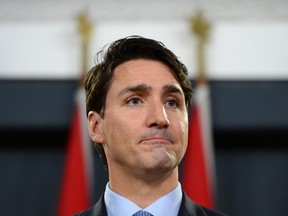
(119, 205)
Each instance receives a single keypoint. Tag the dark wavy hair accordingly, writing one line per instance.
(98, 79)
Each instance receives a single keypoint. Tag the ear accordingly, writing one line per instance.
(95, 127)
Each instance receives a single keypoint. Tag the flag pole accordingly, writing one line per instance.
(201, 29)
(198, 169)
(76, 188)
(85, 31)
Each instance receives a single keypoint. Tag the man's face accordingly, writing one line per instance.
(145, 124)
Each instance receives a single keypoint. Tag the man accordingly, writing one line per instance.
(138, 100)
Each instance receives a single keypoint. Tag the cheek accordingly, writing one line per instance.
(181, 124)
(184, 128)
(184, 134)
(118, 130)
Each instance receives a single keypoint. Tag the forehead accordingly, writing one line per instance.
(143, 70)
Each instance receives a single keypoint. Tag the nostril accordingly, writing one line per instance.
(160, 123)
(154, 125)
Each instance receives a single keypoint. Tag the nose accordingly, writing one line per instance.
(157, 116)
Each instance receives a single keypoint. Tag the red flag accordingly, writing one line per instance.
(76, 187)
(198, 164)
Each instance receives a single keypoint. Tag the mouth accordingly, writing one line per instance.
(157, 137)
(156, 141)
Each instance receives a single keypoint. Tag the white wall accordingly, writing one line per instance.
(235, 50)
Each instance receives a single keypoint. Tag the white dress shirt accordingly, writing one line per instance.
(167, 205)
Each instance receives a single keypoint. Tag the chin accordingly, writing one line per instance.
(165, 163)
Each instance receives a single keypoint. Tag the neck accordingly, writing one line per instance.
(143, 191)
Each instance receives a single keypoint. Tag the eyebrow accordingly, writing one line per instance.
(172, 89)
(144, 88)
(136, 88)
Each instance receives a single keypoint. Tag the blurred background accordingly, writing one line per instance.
(246, 67)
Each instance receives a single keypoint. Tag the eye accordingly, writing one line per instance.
(134, 101)
(172, 103)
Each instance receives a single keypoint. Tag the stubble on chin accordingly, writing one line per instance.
(162, 158)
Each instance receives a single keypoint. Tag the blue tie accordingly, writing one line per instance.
(142, 213)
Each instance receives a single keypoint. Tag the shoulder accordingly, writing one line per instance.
(188, 207)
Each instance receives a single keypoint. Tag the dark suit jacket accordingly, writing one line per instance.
(187, 208)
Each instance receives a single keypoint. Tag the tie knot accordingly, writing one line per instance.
(142, 213)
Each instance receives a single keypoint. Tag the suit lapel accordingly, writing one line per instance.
(190, 208)
(100, 208)
(187, 207)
